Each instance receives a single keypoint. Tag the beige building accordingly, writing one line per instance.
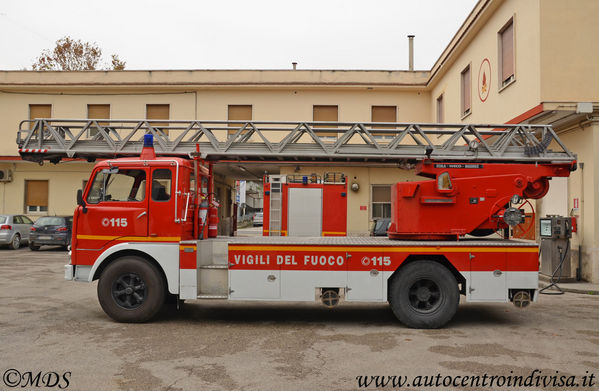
(511, 61)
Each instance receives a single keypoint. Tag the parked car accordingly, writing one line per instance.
(52, 231)
(257, 219)
(14, 230)
(380, 227)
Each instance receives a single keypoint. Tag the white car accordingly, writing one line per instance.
(257, 219)
(14, 230)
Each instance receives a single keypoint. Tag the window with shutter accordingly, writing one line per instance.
(238, 113)
(157, 112)
(40, 111)
(380, 201)
(384, 114)
(506, 61)
(36, 196)
(325, 113)
(97, 112)
(466, 91)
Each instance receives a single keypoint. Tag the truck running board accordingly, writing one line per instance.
(212, 297)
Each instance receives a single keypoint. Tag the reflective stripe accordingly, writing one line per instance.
(431, 249)
(132, 238)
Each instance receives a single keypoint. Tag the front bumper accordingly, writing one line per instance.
(49, 240)
(77, 272)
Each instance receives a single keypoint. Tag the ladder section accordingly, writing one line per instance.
(56, 139)
(276, 205)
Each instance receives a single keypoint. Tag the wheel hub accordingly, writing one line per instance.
(424, 296)
(129, 291)
(423, 293)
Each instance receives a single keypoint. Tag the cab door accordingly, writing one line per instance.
(162, 204)
(116, 207)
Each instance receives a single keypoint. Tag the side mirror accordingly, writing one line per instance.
(80, 200)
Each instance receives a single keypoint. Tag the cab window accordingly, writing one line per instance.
(444, 182)
(117, 185)
(161, 185)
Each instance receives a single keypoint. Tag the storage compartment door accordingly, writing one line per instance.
(488, 276)
(304, 212)
(254, 284)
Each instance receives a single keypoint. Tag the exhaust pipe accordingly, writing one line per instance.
(521, 299)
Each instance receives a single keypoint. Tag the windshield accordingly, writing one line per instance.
(124, 185)
(45, 221)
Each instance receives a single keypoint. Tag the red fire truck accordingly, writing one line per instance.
(145, 225)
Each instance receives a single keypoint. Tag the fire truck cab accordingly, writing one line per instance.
(135, 214)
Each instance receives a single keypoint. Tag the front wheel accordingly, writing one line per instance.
(424, 295)
(131, 290)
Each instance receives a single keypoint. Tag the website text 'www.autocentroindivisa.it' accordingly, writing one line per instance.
(536, 378)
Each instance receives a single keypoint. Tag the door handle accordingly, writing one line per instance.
(142, 214)
(271, 277)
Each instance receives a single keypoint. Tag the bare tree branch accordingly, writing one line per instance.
(74, 55)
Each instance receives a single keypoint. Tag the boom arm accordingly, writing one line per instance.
(467, 198)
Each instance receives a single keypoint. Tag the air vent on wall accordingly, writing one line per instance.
(5, 175)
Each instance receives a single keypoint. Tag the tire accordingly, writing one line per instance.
(15, 243)
(424, 295)
(33, 247)
(131, 290)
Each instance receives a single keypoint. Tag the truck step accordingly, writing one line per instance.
(205, 296)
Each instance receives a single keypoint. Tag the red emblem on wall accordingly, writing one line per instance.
(484, 80)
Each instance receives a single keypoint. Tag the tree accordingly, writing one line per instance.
(74, 55)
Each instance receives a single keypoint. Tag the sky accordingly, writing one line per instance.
(232, 34)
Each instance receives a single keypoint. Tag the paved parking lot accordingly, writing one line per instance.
(49, 325)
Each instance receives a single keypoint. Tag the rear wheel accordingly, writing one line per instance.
(15, 243)
(424, 294)
(131, 290)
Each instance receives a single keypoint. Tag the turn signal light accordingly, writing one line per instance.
(5, 226)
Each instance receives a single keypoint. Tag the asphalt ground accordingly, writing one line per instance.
(48, 325)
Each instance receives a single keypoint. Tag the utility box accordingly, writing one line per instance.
(555, 232)
(305, 205)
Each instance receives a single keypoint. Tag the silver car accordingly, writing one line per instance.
(14, 230)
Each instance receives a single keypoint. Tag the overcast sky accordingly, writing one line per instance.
(250, 34)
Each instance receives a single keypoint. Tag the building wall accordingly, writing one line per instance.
(501, 104)
(569, 54)
(582, 184)
(282, 104)
(65, 104)
(295, 104)
(63, 182)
